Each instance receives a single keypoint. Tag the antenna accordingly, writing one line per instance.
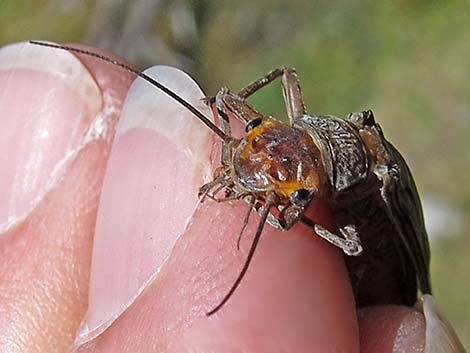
(206, 121)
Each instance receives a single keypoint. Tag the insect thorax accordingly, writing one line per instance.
(343, 153)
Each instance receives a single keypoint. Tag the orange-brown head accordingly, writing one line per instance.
(274, 156)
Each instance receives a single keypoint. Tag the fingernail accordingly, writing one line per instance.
(409, 333)
(440, 335)
(48, 102)
(158, 160)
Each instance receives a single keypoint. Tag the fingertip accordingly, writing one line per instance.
(286, 299)
(158, 161)
(295, 294)
(391, 328)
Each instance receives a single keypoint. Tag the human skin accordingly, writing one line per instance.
(295, 298)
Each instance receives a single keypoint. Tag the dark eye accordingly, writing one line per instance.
(300, 197)
(253, 123)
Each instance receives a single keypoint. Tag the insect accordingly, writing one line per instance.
(280, 168)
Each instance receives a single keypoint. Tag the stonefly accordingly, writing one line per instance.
(280, 168)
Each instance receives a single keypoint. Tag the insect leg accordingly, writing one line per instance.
(229, 102)
(220, 181)
(350, 244)
(292, 95)
(233, 105)
(290, 89)
(270, 202)
(349, 232)
(236, 196)
(261, 82)
(226, 155)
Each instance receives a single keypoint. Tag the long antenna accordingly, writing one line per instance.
(264, 214)
(147, 78)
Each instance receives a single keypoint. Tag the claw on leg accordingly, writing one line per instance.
(350, 242)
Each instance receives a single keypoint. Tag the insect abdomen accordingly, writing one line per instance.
(389, 220)
(381, 275)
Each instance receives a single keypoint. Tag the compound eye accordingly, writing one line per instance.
(300, 197)
(253, 123)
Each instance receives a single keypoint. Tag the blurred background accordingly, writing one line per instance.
(408, 60)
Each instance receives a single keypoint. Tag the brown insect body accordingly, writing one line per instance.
(384, 206)
(386, 272)
(280, 168)
(349, 162)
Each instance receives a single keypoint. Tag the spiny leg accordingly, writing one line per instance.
(207, 190)
(233, 105)
(226, 154)
(220, 181)
(236, 196)
(261, 82)
(270, 202)
(236, 104)
(224, 122)
(290, 89)
(222, 177)
(292, 93)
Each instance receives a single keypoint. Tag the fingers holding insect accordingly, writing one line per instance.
(58, 114)
(394, 328)
(137, 225)
(284, 283)
(282, 301)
